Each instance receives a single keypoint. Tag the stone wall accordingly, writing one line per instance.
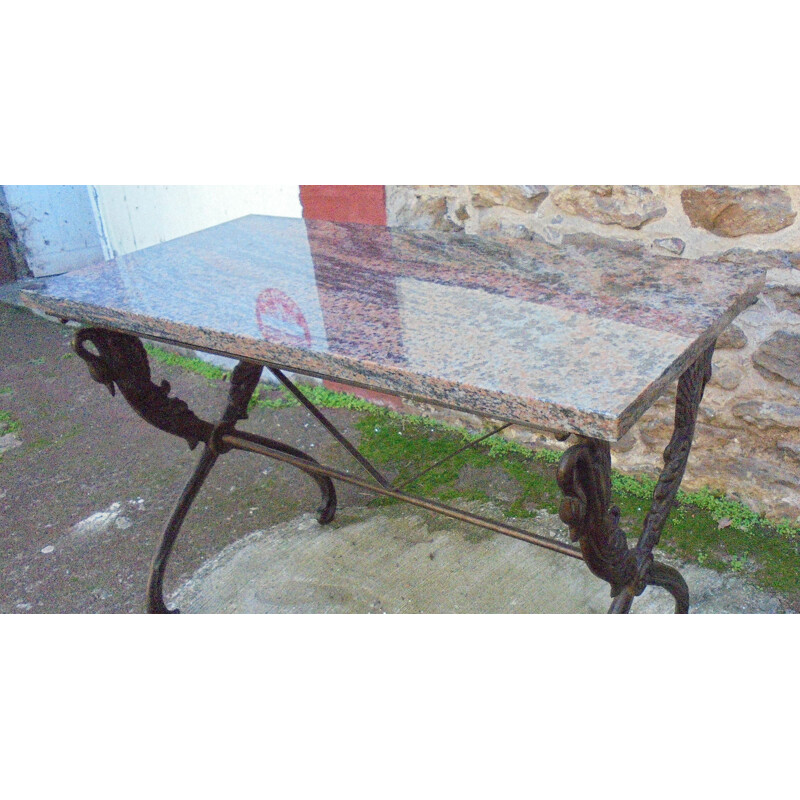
(748, 436)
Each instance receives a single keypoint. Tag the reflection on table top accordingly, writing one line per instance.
(568, 339)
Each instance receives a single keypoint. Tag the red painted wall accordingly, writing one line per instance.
(361, 204)
(364, 204)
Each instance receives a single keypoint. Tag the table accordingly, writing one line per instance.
(573, 341)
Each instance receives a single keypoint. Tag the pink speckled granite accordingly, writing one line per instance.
(565, 339)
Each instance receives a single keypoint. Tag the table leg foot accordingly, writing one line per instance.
(657, 574)
(670, 579)
(326, 510)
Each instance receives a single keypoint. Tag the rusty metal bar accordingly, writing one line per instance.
(452, 455)
(330, 427)
(255, 444)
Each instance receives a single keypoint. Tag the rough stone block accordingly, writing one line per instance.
(769, 259)
(790, 448)
(726, 377)
(591, 241)
(730, 211)
(732, 338)
(423, 213)
(628, 206)
(786, 298)
(767, 414)
(763, 472)
(505, 223)
(656, 433)
(672, 245)
(779, 357)
(625, 444)
(711, 436)
(523, 198)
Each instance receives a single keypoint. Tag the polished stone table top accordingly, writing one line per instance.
(566, 339)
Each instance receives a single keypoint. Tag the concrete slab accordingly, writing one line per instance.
(401, 561)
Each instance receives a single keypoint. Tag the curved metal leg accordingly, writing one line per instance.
(661, 575)
(584, 476)
(155, 583)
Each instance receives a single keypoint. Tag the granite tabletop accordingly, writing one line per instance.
(566, 339)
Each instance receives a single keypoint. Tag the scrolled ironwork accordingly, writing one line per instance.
(584, 476)
(121, 361)
(691, 387)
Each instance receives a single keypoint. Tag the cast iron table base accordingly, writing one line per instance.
(584, 473)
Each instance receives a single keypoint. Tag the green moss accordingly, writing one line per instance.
(381, 501)
(467, 495)
(693, 533)
(539, 488)
(320, 396)
(8, 424)
(264, 398)
(6, 390)
(325, 398)
(721, 507)
(411, 445)
(546, 456)
(196, 365)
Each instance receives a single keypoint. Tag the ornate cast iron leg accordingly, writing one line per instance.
(584, 476)
(243, 382)
(122, 362)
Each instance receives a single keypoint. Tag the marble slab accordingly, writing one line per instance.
(567, 339)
